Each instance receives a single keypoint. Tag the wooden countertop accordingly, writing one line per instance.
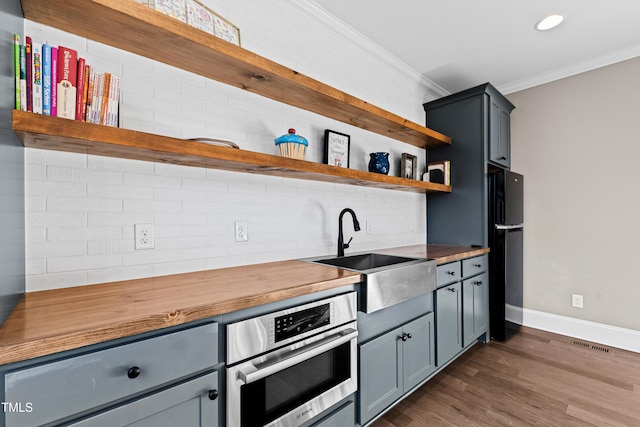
(52, 321)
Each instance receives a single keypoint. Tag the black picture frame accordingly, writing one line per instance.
(337, 148)
(408, 166)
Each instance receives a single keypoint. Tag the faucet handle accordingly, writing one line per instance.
(346, 245)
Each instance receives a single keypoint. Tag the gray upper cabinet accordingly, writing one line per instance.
(478, 120)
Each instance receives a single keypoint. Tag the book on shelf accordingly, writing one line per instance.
(67, 81)
(80, 88)
(439, 172)
(46, 79)
(54, 80)
(29, 74)
(36, 75)
(16, 67)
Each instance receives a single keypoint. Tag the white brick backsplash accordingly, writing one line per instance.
(81, 209)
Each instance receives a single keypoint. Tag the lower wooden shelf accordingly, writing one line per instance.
(53, 133)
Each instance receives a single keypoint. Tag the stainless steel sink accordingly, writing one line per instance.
(389, 279)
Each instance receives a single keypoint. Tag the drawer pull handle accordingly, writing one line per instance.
(477, 265)
(213, 394)
(133, 372)
(451, 273)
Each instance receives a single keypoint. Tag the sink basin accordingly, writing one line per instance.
(389, 279)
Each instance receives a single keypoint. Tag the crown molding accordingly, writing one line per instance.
(561, 73)
(350, 35)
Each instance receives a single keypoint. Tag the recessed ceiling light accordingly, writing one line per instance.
(549, 22)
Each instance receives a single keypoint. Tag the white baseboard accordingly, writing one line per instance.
(626, 339)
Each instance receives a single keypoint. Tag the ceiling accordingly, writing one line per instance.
(458, 44)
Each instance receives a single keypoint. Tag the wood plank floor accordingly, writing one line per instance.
(537, 378)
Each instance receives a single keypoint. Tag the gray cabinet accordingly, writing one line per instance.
(448, 306)
(461, 306)
(475, 308)
(72, 387)
(191, 404)
(478, 120)
(393, 364)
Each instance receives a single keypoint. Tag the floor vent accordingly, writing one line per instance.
(590, 346)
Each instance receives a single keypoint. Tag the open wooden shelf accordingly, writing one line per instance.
(54, 133)
(128, 25)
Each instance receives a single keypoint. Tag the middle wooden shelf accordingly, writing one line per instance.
(53, 133)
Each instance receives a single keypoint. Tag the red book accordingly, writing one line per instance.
(80, 88)
(28, 46)
(67, 81)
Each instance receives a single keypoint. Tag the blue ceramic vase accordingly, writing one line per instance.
(379, 163)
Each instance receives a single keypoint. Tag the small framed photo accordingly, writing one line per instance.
(408, 166)
(336, 148)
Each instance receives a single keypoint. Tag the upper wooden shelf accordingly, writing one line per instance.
(54, 133)
(128, 25)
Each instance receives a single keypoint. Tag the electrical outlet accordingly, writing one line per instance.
(242, 233)
(577, 301)
(369, 225)
(145, 238)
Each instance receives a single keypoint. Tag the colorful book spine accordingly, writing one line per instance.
(23, 78)
(36, 90)
(29, 76)
(54, 81)
(114, 99)
(85, 92)
(105, 98)
(80, 88)
(90, 86)
(67, 80)
(16, 67)
(46, 79)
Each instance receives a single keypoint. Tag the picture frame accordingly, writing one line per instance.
(408, 166)
(337, 148)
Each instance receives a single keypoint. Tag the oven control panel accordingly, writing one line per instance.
(290, 325)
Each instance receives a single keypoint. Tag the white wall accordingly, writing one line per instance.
(576, 141)
(81, 209)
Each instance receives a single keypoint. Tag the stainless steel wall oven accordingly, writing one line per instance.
(285, 368)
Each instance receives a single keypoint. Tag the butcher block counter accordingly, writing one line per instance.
(52, 321)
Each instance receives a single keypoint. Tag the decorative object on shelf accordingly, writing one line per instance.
(216, 142)
(336, 148)
(438, 172)
(408, 166)
(174, 8)
(292, 145)
(200, 17)
(226, 30)
(379, 163)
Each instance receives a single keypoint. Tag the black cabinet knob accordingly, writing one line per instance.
(409, 336)
(452, 289)
(478, 282)
(451, 273)
(404, 337)
(213, 394)
(133, 372)
(477, 265)
(503, 158)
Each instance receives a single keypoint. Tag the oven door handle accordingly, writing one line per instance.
(300, 355)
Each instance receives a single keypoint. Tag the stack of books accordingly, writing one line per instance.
(53, 81)
(438, 172)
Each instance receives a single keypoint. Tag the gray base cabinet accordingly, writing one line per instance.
(394, 363)
(461, 306)
(186, 405)
(448, 322)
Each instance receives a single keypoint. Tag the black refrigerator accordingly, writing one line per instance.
(505, 259)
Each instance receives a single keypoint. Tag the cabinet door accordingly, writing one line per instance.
(475, 308)
(184, 405)
(418, 351)
(499, 134)
(448, 322)
(381, 381)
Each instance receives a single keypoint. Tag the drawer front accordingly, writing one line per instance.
(475, 265)
(59, 389)
(449, 273)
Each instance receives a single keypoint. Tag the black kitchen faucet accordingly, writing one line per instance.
(356, 227)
